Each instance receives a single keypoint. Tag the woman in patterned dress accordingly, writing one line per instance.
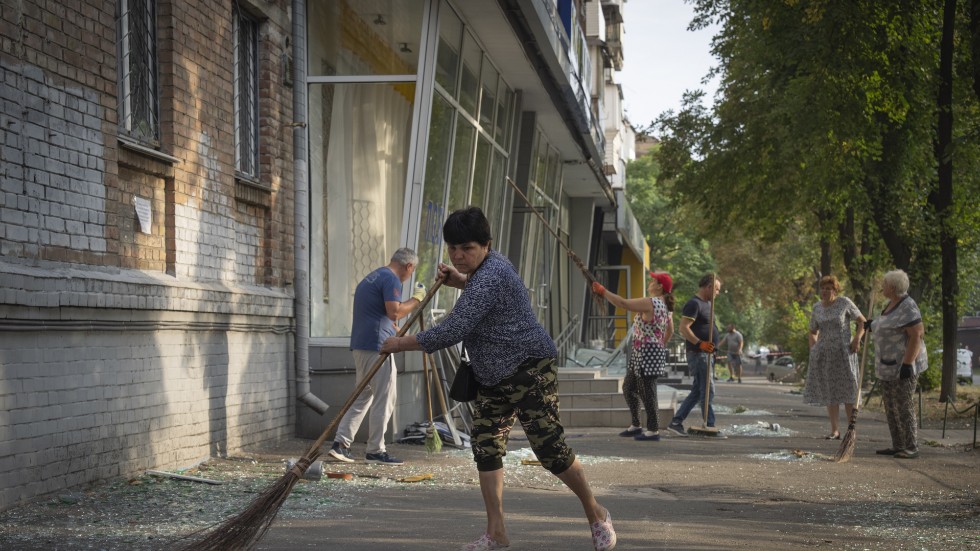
(652, 327)
(513, 358)
(900, 355)
(831, 379)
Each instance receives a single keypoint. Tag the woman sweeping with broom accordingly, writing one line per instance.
(513, 358)
(653, 327)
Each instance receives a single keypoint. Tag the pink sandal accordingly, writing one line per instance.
(485, 543)
(603, 534)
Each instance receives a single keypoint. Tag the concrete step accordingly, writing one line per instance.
(608, 417)
(608, 409)
(610, 385)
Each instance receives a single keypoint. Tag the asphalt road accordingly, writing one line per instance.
(756, 489)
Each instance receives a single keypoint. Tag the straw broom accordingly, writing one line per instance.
(244, 530)
(847, 444)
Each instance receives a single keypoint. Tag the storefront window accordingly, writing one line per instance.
(447, 62)
(488, 99)
(364, 38)
(459, 184)
(434, 190)
(472, 113)
(359, 144)
(481, 170)
(469, 89)
(502, 124)
(539, 255)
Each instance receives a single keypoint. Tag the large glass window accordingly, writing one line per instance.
(472, 110)
(138, 104)
(359, 144)
(469, 88)
(447, 60)
(433, 192)
(539, 255)
(359, 37)
(459, 184)
(481, 171)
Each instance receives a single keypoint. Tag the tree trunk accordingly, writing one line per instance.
(944, 202)
(975, 44)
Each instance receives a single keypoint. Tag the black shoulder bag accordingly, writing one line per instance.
(465, 385)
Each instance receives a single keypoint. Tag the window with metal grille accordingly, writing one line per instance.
(139, 103)
(246, 94)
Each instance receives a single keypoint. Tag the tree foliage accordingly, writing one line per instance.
(823, 133)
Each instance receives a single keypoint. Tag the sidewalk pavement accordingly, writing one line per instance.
(756, 489)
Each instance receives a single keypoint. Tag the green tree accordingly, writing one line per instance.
(826, 124)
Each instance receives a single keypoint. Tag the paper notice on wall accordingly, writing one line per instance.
(144, 213)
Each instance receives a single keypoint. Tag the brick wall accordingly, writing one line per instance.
(122, 350)
(67, 185)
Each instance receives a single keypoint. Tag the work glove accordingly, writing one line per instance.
(419, 293)
(598, 289)
(905, 372)
(867, 325)
(706, 346)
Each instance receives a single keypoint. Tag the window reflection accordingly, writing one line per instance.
(364, 37)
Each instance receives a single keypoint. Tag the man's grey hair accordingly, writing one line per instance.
(405, 256)
(898, 281)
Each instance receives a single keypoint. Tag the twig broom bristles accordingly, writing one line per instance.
(245, 530)
(847, 444)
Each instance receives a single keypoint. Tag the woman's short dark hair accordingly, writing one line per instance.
(465, 225)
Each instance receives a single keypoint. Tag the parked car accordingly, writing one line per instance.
(782, 370)
(964, 361)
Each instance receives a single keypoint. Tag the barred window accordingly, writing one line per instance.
(246, 96)
(139, 103)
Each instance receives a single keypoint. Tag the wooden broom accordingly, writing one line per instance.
(847, 444)
(244, 530)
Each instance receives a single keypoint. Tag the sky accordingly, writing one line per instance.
(662, 58)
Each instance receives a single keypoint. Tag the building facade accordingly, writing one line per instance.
(190, 190)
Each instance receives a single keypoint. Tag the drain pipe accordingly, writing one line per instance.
(301, 214)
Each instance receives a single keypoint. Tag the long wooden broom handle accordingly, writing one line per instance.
(578, 262)
(709, 371)
(370, 374)
(864, 352)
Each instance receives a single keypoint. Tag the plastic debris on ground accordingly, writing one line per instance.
(415, 434)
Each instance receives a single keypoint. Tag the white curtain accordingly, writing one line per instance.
(361, 183)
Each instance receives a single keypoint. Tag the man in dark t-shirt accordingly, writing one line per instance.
(700, 339)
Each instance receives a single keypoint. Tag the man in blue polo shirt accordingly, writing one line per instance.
(377, 306)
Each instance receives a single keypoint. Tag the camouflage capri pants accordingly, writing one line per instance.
(531, 395)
